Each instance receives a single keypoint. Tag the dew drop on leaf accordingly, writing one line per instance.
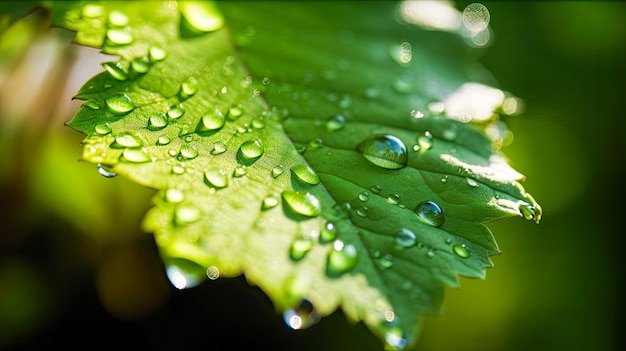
(301, 316)
(460, 250)
(335, 123)
(163, 140)
(201, 15)
(425, 141)
(210, 121)
(116, 69)
(119, 104)
(305, 174)
(105, 172)
(93, 11)
(341, 258)
(406, 238)
(103, 128)
(118, 36)
(140, 65)
(176, 111)
(117, 19)
(299, 248)
(184, 274)
(393, 199)
(127, 140)
(376, 189)
(471, 182)
(277, 171)
(527, 211)
(92, 104)
(430, 213)
(219, 148)
(157, 122)
(270, 201)
(239, 171)
(235, 112)
(386, 261)
(156, 53)
(385, 151)
(174, 196)
(216, 178)
(188, 152)
(251, 149)
(186, 214)
(136, 155)
(328, 233)
(305, 204)
(189, 87)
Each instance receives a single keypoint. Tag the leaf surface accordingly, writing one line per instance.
(313, 147)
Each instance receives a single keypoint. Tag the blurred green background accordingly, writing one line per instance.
(75, 266)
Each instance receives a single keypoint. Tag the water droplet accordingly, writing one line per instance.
(211, 121)
(174, 196)
(328, 233)
(376, 189)
(305, 204)
(163, 140)
(364, 196)
(127, 140)
(216, 178)
(188, 87)
(140, 65)
(444, 179)
(461, 251)
(117, 19)
(394, 338)
(417, 114)
(342, 258)
(213, 272)
(471, 182)
(239, 171)
(251, 149)
(92, 104)
(270, 201)
(335, 123)
(302, 316)
(176, 111)
(156, 54)
(430, 213)
(362, 212)
(384, 151)
(157, 122)
(186, 214)
(299, 248)
(119, 104)
(103, 128)
(406, 238)
(393, 199)
(305, 174)
(105, 172)
(450, 133)
(93, 11)
(136, 155)
(119, 36)
(219, 148)
(116, 69)
(188, 152)
(527, 211)
(184, 274)
(201, 16)
(235, 112)
(425, 141)
(430, 253)
(316, 143)
(178, 169)
(277, 171)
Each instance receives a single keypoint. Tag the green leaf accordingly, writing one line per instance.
(337, 154)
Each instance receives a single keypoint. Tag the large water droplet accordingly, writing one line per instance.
(211, 121)
(119, 104)
(216, 178)
(105, 172)
(188, 152)
(251, 150)
(302, 316)
(461, 251)
(299, 248)
(430, 213)
(201, 16)
(335, 123)
(305, 174)
(157, 122)
(384, 151)
(305, 204)
(406, 238)
(342, 258)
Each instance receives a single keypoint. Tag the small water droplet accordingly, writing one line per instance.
(436, 107)
(174, 196)
(430, 213)
(277, 171)
(305, 174)
(219, 148)
(364, 196)
(376, 189)
(216, 178)
(461, 251)
(103, 128)
(406, 238)
(176, 111)
(335, 123)
(119, 36)
(527, 211)
(178, 169)
(140, 65)
(156, 53)
(235, 112)
(157, 122)
(476, 17)
(211, 121)
(444, 179)
(386, 261)
(450, 133)
(305, 204)
(425, 141)
(299, 248)
(341, 258)
(270, 201)
(302, 316)
(136, 155)
(393, 199)
(430, 253)
(188, 87)
(213, 272)
(119, 104)
(92, 104)
(105, 172)
(186, 214)
(385, 151)
(328, 233)
(163, 140)
(239, 171)
(251, 150)
(188, 152)
(471, 182)
(117, 70)
(316, 143)
(258, 123)
(117, 19)
(417, 114)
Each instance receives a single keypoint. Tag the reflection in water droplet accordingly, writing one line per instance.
(302, 316)
(384, 151)
(305, 174)
(119, 104)
(335, 123)
(342, 258)
(430, 213)
(299, 248)
(461, 251)
(216, 178)
(105, 172)
(406, 238)
(157, 122)
(305, 204)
